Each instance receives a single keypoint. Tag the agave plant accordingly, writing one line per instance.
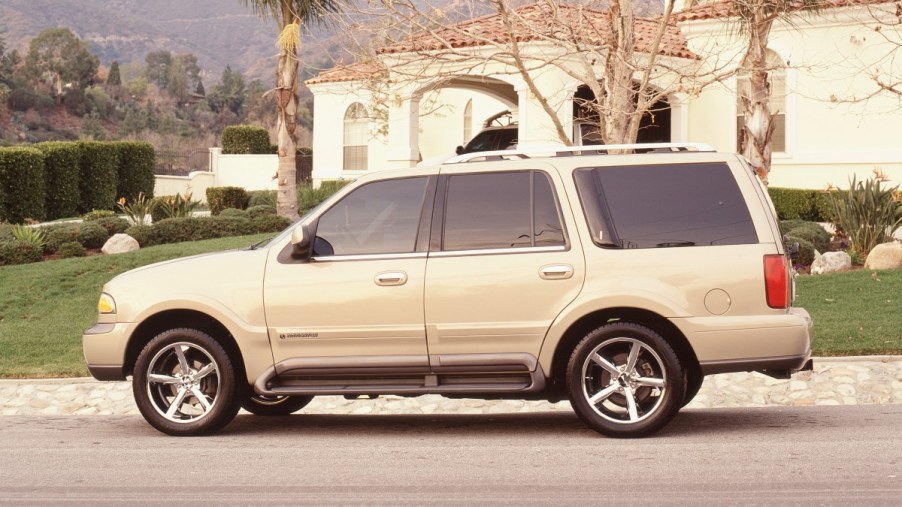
(34, 236)
(867, 213)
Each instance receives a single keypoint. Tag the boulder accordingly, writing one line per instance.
(120, 243)
(830, 262)
(885, 256)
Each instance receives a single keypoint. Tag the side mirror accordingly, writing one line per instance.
(459, 150)
(300, 242)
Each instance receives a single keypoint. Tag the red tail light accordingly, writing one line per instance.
(776, 281)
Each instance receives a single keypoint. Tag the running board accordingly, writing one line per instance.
(403, 375)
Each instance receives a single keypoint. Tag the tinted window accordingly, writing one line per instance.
(665, 206)
(380, 217)
(495, 210)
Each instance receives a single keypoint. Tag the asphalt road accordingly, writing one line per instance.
(811, 455)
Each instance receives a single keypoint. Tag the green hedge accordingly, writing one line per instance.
(137, 161)
(245, 140)
(802, 204)
(220, 198)
(88, 234)
(98, 175)
(18, 252)
(61, 171)
(22, 180)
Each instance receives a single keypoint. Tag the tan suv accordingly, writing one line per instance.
(617, 281)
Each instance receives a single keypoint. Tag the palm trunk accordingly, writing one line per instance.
(287, 97)
(759, 126)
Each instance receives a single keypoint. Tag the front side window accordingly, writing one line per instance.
(501, 210)
(672, 205)
(377, 218)
(776, 78)
(356, 138)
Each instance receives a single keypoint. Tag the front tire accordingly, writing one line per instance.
(185, 383)
(259, 404)
(624, 380)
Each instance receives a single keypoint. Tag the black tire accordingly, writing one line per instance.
(185, 383)
(692, 383)
(274, 405)
(624, 380)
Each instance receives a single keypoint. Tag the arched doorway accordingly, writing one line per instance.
(654, 127)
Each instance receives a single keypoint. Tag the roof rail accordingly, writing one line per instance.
(524, 152)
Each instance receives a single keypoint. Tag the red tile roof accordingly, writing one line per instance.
(354, 72)
(538, 22)
(724, 9)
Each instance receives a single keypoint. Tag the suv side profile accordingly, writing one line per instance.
(616, 277)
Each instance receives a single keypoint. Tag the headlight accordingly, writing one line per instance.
(106, 304)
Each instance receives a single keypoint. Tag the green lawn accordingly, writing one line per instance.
(44, 307)
(855, 313)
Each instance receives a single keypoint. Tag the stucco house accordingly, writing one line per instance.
(832, 117)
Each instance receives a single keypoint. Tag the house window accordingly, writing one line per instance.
(356, 138)
(776, 77)
(468, 120)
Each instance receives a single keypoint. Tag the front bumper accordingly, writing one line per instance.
(104, 349)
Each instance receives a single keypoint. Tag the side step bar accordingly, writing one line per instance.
(403, 375)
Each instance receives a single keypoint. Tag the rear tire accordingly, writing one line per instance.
(259, 404)
(185, 383)
(624, 380)
(692, 384)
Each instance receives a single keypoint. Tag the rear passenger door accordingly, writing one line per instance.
(503, 262)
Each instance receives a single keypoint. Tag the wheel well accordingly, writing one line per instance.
(172, 319)
(596, 319)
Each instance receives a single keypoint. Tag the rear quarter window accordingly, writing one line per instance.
(659, 206)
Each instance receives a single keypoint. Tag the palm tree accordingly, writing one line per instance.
(289, 15)
(756, 18)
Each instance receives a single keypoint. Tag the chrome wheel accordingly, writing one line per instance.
(183, 382)
(624, 380)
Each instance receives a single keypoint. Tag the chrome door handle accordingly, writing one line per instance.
(391, 278)
(556, 272)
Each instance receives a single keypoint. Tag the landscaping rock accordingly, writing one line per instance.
(830, 262)
(120, 243)
(885, 256)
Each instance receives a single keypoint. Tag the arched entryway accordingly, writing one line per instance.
(654, 128)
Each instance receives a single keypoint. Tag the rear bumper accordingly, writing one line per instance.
(777, 345)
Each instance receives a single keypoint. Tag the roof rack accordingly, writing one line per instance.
(525, 152)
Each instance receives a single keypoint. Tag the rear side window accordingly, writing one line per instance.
(656, 206)
(501, 210)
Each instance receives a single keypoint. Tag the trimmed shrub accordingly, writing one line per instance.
(157, 212)
(137, 161)
(88, 234)
(145, 235)
(814, 234)
(271, 223)
(258, 211)
(245, 140)
(802, 204)
(98, 175)
(71, 249)
(806, 251)
(221, 227)
(97, 214)
(233, 213)
(22, 180)
(175, 230)
(261, 197)
(220, 198)
(61, 171)
(113, 225)
(18, 252)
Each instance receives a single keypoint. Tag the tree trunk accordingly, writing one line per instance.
(618, 102)
(759, 126)
(287, 103)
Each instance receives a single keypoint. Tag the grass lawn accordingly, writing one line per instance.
(855, 313)
(45, 306)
